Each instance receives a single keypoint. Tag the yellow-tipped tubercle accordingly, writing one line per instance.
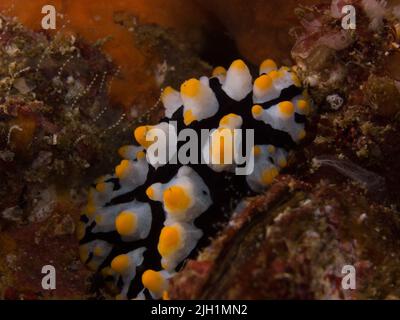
(188, 117)
(191, 88)
(153, 281)
(286, 108)
(122, 170)
(238, 65)
(257, 110)
(269, 175)
(268, 64)
(140, 134)
(263, 82)
(176, 199)
(170, 240)
(219, 71)
(126, 223)
(120, 263)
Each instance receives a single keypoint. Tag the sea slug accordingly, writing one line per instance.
(143, 221)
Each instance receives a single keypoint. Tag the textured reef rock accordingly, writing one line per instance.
(56, 130)
(292, 243)
(339, 205)
(332, 59)
(357, 92)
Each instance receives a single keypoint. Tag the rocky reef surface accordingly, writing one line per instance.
(52, 90)
(69, 100)
(292, 243)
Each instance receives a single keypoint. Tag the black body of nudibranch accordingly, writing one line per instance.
(143, 221)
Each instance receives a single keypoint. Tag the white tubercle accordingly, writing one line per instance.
(264, 89)
(130, 152)
(302, 104)
(269, 86)
(238, 82)
(106, 219)
(267, 66)
(184, 197)
(134, 222)
(176, 242)
(98, 197)
(156, 282)
(131, 174)
(125, 266)
(199, 101)
(98, 250)
(163, 149)
(224, 143)
(281, 117)
(205, 80)
(268, 160)
(283, 78)
(220, 73)
(171, 100)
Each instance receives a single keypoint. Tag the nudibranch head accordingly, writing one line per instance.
(143, 221)
(268, 66)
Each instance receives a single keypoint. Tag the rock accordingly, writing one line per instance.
(21, 85)
(39, 161)
(335, 101)
(293, 242)
(43, 204)
(14, 214)
(383, 95)
(65, 227)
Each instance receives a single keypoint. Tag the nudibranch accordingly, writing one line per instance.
(143, 221)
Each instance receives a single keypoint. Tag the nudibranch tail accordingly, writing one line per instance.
(143, 221)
